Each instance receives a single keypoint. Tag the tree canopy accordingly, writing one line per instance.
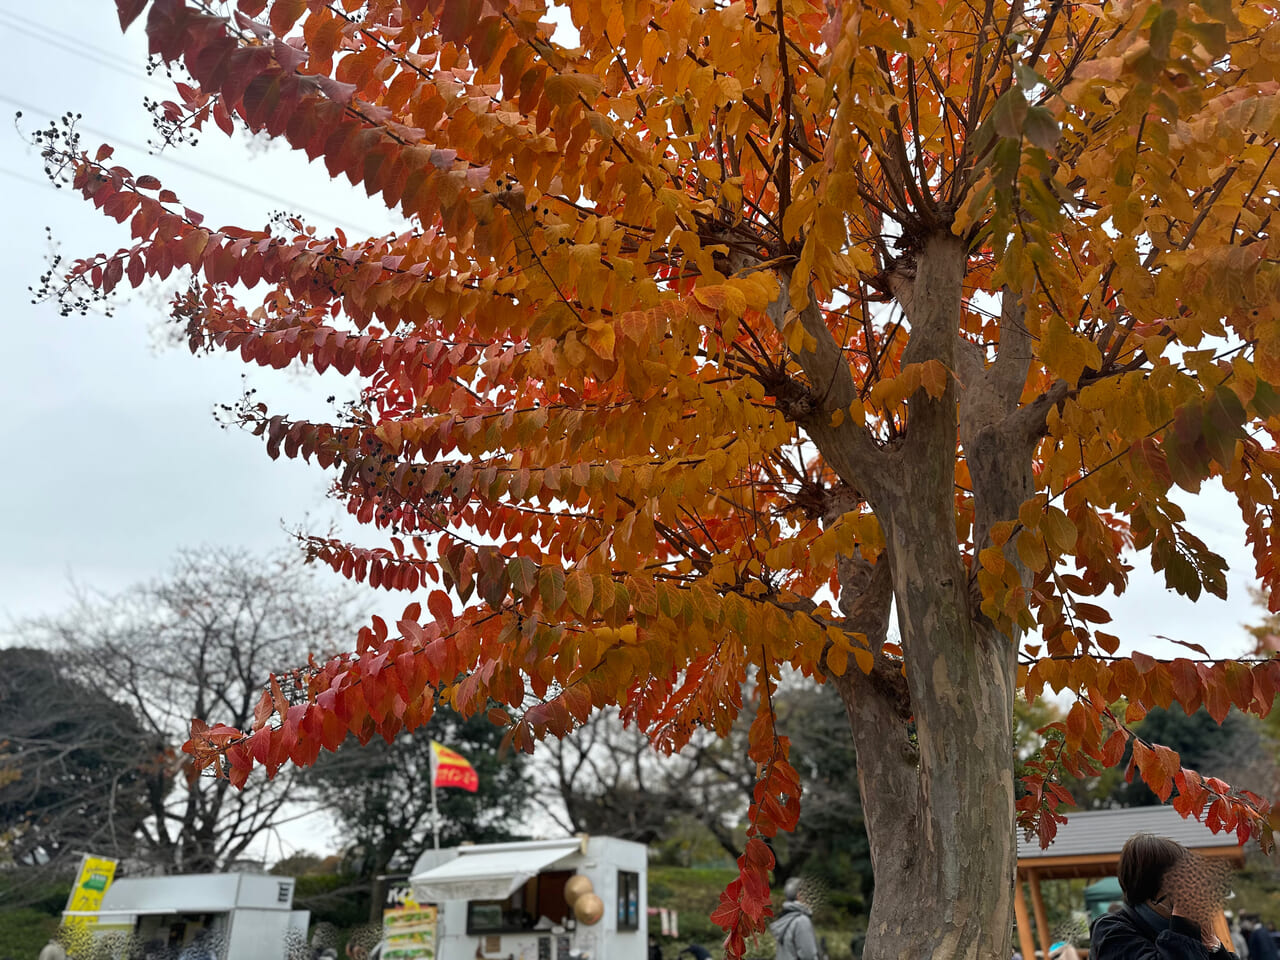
(707, 313)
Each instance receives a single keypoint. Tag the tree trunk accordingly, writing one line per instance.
(937, 795)
(935, 747)
(945, 888)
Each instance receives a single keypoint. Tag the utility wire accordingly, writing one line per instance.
(25, 178)
(201, 171)
(79, 42)
(92, 54)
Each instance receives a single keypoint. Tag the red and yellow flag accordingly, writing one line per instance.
(452, 769)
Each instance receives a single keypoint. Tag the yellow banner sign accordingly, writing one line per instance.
(96, 874)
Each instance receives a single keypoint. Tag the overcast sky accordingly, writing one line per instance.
(113, 457)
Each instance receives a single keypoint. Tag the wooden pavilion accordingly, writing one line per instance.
(1088, 846)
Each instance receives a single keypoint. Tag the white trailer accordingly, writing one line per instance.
(509, 900)
(247, 916)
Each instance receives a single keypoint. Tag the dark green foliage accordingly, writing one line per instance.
(1202, 745)
(73, 764)
(694, 893)
(333, 898)
(829, 845)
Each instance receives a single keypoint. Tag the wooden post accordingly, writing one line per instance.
(1042, 917)
(1026, 938)
(1223, 930)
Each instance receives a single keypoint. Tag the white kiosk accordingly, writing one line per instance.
(582, 898)
(248, 916)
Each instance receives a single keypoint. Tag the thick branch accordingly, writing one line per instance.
(847, 448)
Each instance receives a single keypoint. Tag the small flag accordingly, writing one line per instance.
(451, 769)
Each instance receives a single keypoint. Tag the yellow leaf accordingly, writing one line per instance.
(837, 660)
(1065, 352)
(1059, 531)
(565, 88)
(934, 377)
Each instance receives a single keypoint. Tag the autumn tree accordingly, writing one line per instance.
(196, 642)
(705, 314)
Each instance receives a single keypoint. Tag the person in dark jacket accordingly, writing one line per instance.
(1156, 922)
(1261, 946)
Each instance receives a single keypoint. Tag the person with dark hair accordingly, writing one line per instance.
(1168, 912)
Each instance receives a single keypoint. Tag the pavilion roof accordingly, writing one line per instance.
(1089, 843)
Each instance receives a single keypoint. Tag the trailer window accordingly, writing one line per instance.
(628, 900)
(542, 896)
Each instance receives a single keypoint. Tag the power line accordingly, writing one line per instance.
(86, 52)
(25, 178)
(201, 171)
(78, 42)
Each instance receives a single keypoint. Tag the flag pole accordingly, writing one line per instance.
(435, 815)
(435, 809)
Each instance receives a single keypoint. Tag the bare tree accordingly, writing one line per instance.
(198, 644)
(606, 778)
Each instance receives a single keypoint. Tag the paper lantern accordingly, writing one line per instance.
(588, 908)
(575, 887)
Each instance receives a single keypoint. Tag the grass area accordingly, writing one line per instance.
(24, 931)
(696, 892)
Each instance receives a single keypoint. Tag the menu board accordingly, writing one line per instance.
(408, 928)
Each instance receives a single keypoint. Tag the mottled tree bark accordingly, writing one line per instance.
(934, 732)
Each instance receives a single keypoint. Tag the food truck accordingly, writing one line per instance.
(582, 898)
(240, 916)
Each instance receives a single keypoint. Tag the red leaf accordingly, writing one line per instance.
(1113, 749)
(112, 274)
(1144, 662)
(129, 11)
(1264, 685)
(284, 14)
(1239, 681)
(440, 606)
